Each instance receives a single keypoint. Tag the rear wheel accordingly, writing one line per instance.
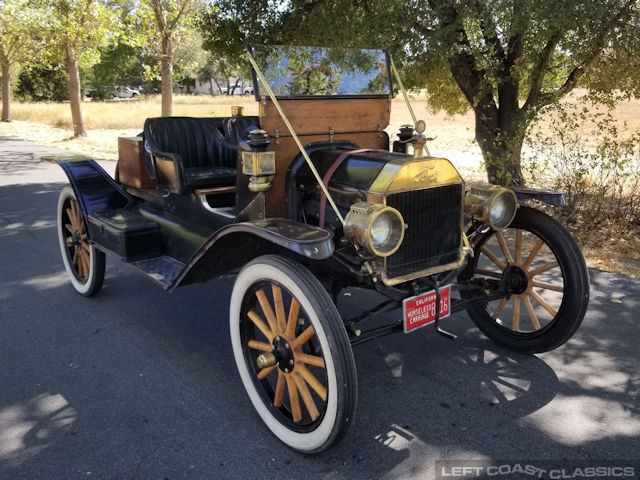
(542, 266)
(292, 353)
(84, 262)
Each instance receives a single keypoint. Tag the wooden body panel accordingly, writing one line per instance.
(318, 116)
(131, 163)
(287, 150)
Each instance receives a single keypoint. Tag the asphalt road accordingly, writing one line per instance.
(136, 383)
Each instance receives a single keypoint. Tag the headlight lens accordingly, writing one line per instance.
(503, 209)
(378, 228)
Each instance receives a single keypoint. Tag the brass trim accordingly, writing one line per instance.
(389, 282)
(464, 251)
(400, 175)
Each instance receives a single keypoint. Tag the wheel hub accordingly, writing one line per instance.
(284, 354)
(517, 280)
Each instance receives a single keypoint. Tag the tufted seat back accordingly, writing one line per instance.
(196, 140)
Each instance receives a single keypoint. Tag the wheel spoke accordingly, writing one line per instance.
(277, 399)
(303, 337)
(277, 300)
(547, 286)
(69, 228)
(306, 396)
(72, 217)
(84, 258)
(293, 318)
(544, 303)
(75, 258)
(498, 310)
(262, 346)
(80, 268)
(543, 269)
(76, 212)
(86, 247)
(516, 313)
(258, 322)
(310, 360)
(265, 372)
(312, 381)
(492, 257)
(534, 251)
(518, 258)
(293, 399)
(532, 314)
(488, 273)
(503, 246)
(266, 309)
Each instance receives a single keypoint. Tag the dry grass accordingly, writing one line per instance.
(50, 124)
(125, 114)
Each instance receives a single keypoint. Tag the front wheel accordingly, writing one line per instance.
(292, 353)
(83, 262)
(542, 267)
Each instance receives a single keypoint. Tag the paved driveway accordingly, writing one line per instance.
(136, 383)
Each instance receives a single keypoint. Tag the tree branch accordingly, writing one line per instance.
(177, 18)
(575, 75)
(489, 33)
(540, 70)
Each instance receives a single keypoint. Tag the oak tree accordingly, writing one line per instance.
(504, 59)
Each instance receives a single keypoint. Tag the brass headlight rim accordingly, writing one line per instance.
(372, 219)
(499, 192)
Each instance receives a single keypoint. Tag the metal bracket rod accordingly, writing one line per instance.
(295, 137)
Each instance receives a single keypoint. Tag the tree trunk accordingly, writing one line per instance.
(6, 93)
(500, 137)
(167, 86)
(74, 91)
(501, 152)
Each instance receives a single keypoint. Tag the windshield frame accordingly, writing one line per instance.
(259, 95)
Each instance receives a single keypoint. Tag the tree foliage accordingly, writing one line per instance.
(21, 40)
(78, 30)
(505, 59)
(167, 28)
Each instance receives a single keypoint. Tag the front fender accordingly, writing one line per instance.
(235, 245)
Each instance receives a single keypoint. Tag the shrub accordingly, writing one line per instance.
(43, 84)
(583, 152)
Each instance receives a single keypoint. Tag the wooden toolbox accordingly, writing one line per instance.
(131, 163)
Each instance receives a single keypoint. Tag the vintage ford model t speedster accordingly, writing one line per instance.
(305, 200)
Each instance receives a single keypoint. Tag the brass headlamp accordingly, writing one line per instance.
(377, 228)
(492, 204)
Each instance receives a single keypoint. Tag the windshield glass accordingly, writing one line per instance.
(314, 71)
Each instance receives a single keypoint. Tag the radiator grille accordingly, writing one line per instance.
(433, 236)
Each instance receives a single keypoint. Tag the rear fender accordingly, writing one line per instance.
(235, 245)
(95, 190)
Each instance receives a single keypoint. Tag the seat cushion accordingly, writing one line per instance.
(198, 177)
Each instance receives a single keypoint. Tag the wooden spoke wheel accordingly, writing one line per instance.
(83, 262)
(543, 269)
(292, 353)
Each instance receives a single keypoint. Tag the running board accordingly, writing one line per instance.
(163, 270)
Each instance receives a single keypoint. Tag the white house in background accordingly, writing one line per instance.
(209, 87)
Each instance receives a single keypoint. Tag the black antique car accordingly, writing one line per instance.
(309, 198)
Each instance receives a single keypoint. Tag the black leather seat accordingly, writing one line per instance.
(188, 153)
